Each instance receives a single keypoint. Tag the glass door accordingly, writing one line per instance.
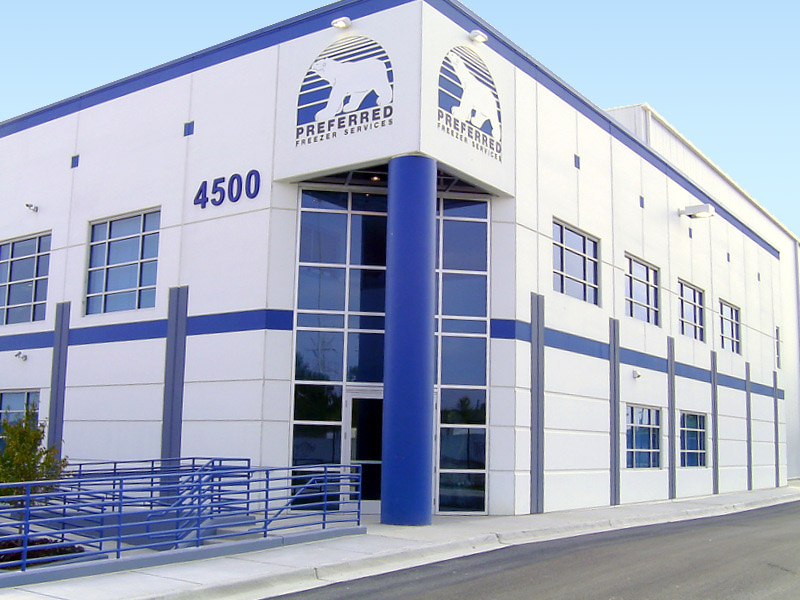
(363, 437)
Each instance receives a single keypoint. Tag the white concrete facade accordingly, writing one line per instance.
(618, 180)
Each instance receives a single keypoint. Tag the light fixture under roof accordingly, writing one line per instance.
(476, 35)
(701, 211)
(341, 22)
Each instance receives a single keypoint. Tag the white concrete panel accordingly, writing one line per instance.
(221, 401)
(277, 401)
(522, 490)
(274, 444)
(692, 396)
(557, 144)
(762, 408)
(594, 179)
(582, 489)
(526, 271)
(32, 372)
(501, 492)
(233, 109)
(732, 452)
(732, 479)
(222, 262)
(570, 413)
(114, 403)
(732, 428)
(695, 481)
(565, 313)
(234, 439)
(763, 431)
(445, 135)
(527, 153)
(731, 402)
(764, 454)
(523, 407)
(118, 440)
(650, 389)
(117, 363)
(523, 364)
(502, 361)
(282, 256)
(643, 485)
(561, 370)
(398, 31)
(763, 478)
(575, 451)
(502, 448)
(503, 269)
(522, 449)
(127, 162)
(225, 356)
(503, 407)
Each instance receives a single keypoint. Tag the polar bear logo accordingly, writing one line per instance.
(351, 82)
(478, 104)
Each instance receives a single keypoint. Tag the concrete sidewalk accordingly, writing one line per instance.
(384, 548)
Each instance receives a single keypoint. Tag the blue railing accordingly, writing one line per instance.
(173, 504)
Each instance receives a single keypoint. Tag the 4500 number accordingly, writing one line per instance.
(250, 185)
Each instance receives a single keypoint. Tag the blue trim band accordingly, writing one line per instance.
(247, 320)
(640, 359)
(320, 19)
(120, 332)
(507, 329)
(761, 389)
(27, 341)
(575, 343)
(691, 372)
(734, 383)
(781, 395)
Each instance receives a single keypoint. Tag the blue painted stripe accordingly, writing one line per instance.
(27, 341)
(692, 372)
(640, 359)
(119, 332)
(507, 329)
(320, 19)
(248, 320)
(731, 382)
(267, 37)
(761, 389)
(575, 343)
(781, 394)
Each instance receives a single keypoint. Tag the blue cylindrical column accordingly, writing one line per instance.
(406, 478)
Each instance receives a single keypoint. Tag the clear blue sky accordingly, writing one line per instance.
(724, 73)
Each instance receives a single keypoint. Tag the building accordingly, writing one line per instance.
(242, 252)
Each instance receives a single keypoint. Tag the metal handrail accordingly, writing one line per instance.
(113, 514)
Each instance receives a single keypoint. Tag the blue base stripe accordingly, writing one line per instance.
(561, 340)
(120, 332)
(640, 359)
(27, 341)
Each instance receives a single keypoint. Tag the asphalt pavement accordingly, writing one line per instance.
(384, 548)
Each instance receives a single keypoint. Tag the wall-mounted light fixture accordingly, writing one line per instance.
(476, 35)
(341, 23)
(21, 356)
(636, 374)
(31, 207)
(701, 211)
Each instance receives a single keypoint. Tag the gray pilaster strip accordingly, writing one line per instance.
(671, 426)
(749, 412)
(714, 422)
(537, 403)
(777, 429)
(174, 370)
(614, 408)
(58, 377)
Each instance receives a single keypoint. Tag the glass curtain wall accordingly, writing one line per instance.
(340, 331)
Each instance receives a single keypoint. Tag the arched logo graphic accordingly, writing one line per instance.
(348, 89)
(469, 107)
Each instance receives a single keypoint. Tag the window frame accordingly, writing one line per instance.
(702, 452)
(142, 301)
(560, 272)
(693, 328)
(37, 280)
(732, 342)
(32, 398)
(653, 289)
(632, 452)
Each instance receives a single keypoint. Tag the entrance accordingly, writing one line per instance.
(362, 441)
